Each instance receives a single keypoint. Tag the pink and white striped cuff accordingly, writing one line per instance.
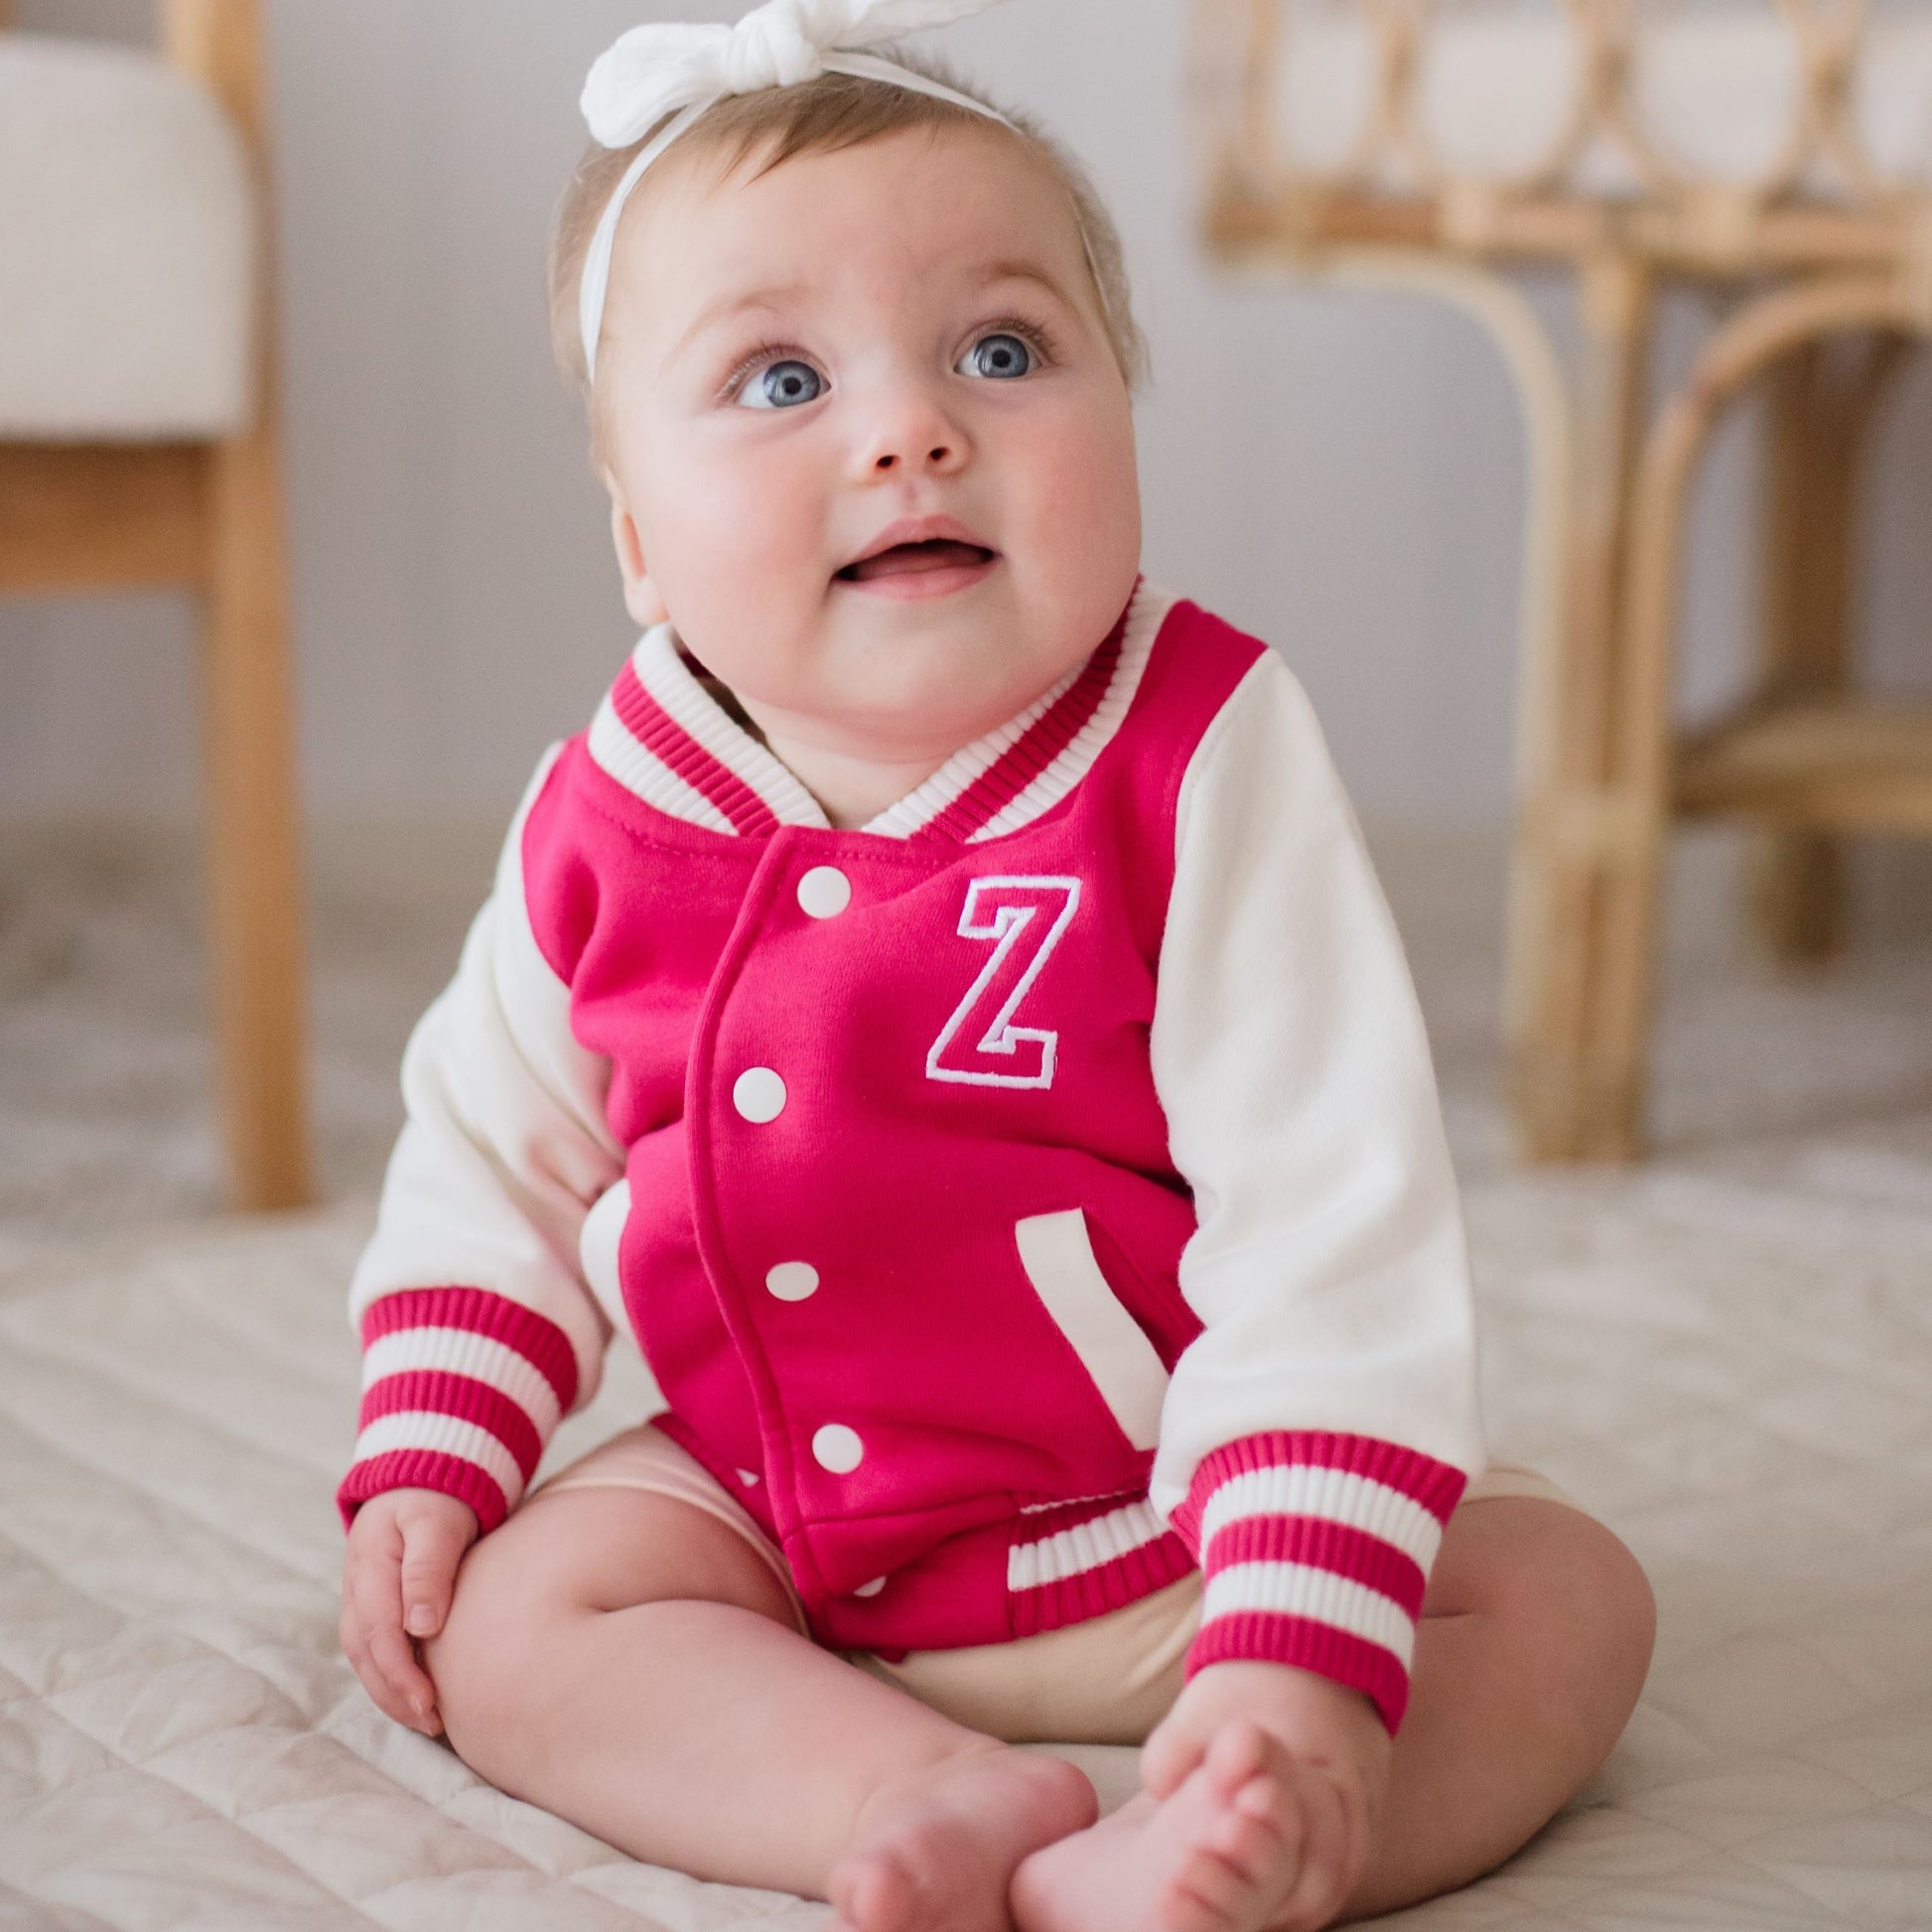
(461, 1390)
(1316, 1550)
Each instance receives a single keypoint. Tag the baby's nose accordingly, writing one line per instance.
(936, 458)
(911, 433)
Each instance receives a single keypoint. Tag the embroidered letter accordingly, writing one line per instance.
(980, 1045)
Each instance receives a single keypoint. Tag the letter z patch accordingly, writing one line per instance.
(981, 1046)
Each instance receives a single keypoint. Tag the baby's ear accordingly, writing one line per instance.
(640, 596)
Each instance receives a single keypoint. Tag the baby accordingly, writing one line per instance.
(942, 1009)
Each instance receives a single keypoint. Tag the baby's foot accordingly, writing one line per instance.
(1222, 1852)
(935, 1852)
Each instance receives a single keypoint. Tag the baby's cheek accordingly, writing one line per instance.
(738, 562)
(1082, 513)
(1083, 454)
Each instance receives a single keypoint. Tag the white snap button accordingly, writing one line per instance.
(792, 1280)
(758, 1095)
(872, 1588)
(747, 1478)
(838, 1448)
(825, 892)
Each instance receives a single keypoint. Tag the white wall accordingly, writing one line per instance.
(1337, 472)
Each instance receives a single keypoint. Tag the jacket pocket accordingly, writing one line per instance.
(1056, 1251)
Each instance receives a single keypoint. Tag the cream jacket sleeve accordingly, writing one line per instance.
(478, 1324)
(1317, 1433)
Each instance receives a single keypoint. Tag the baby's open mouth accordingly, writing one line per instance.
(918, 559)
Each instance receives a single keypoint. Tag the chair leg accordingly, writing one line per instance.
(1820, 405)
(255, 863)
(1585, 863)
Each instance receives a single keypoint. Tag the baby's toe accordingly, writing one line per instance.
(842, 1890)
(871, 1893)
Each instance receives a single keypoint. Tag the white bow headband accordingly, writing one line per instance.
(686, 71)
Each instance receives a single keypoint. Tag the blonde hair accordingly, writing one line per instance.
(822, 116)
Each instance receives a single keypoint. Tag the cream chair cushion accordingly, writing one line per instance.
(127, 248)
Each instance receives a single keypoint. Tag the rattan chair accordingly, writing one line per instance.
(161, 465)
(1775, 154)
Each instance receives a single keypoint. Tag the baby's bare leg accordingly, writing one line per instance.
(625, 1660)
(1533, 1647)
(1531, 1651)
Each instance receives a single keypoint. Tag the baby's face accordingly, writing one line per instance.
(866, 442)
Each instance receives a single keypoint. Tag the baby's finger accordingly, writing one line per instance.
(391, 1654)
(432, 1547)
(381, 1693)
(386, 1697)
(1168, 1758)
(415, 1695)
(379, 1607)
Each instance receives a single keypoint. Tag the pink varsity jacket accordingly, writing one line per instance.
(1018, 1202)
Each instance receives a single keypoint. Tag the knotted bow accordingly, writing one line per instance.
(653, 72)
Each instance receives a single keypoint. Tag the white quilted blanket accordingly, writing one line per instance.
(1729, 1361)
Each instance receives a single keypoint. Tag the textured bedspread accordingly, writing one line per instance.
(1729, 1364)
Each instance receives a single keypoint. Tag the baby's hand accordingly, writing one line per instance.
(1330, 1760)
(397, 1580)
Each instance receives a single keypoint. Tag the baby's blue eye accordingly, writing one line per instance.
(1001, 356)
(782, 386)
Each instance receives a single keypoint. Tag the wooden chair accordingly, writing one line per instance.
(109, 514)
(1817, 259)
